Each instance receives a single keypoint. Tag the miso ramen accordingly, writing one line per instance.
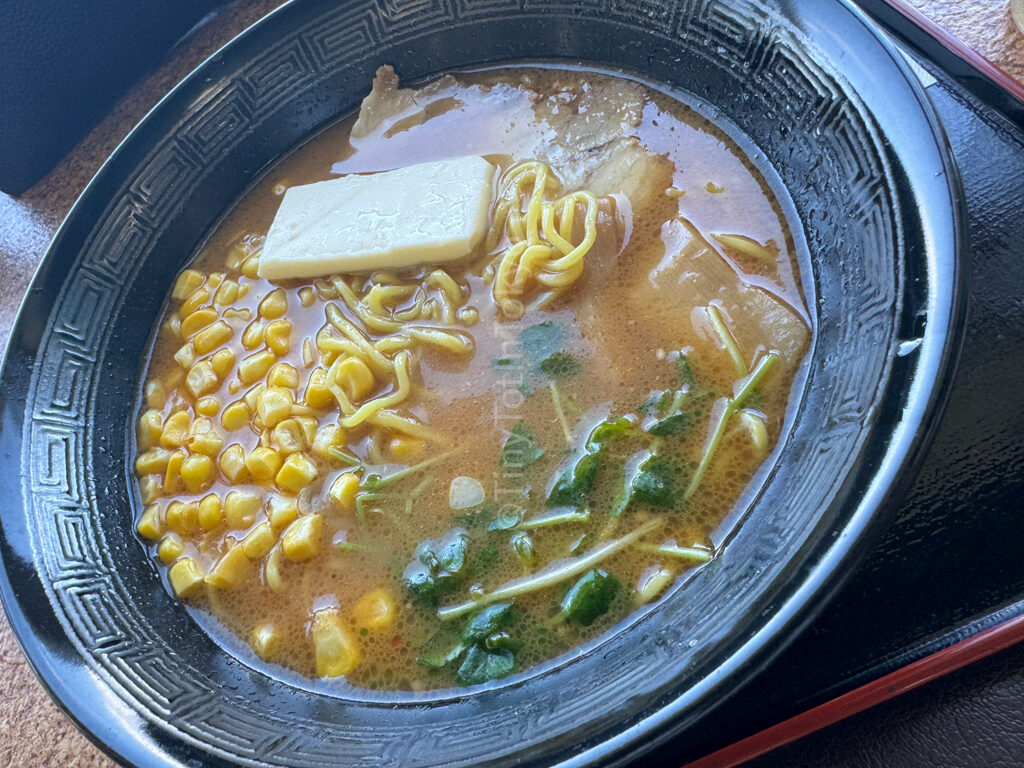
(480, 448)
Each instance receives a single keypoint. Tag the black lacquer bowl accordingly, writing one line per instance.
(831, 110)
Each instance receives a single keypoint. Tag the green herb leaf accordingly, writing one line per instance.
(676, 425)
(503, 640)
(590, 597)
(490, 620)
(505, 522)
(441, 649)
(607, 430)
(520, 449)
(522, 545)
(437, 569)
(655, 483)
(542, 340)
(561, 366)
(484, 561)
(657, 403)
(685, 372)
(453, 555)
(572, 487)
(481, 665)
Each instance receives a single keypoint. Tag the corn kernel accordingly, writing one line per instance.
(197, 472)
(240, 509)
(251, 267)
(186, 577)
(274, 304)
(172, 475)
(182, 517)
(232, 464)
(309, 425)
(187, 282)
(355, 377)
(296, 473)
(263, 464)
(201, 379)
(235, 416)
(238, 253)
(307, 296)
(289, 437)
(172, 326)
(318, 394)
(258, 541)
(223, 361)
(281, 512)
(337, 651)
(308, 355)
(204, 438)
(170, 548)
(210, 512)
(208, 406)
(272, 570)
(252, 396)
(283, 375)
(227, 293)
(211, 337)
(150, 526)
(153, 460)
(252, 336)
(255, 366)
(150, 430)
(214, 280)
(155, 393)
(175, 429)
(150, 488)
(406, 449)
(274, 405)
(185, 356)
(277, 336)
(234, 386)
(376, 610)
(265, 640)
(197, 321)
(328, 436)
(343, 491)
(301, 540)
(193, 302)
(231, 570)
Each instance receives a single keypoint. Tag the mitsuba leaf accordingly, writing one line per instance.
(502, 640)
(481, 665)
(657, 403)
(437, 569)
(607, 430)
(572, 487)
(488, 621)
(505, 522)
(655, 483)
(676, 425)
(520, 449)
(560, 365)
(540, 341)
(590, 597)
(441, 649)
(685, 372)
(484, 561)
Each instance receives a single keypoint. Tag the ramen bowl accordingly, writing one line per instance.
(813, 95)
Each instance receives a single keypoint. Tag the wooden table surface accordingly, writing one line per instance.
(33, 731)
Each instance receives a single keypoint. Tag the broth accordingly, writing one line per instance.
(609, 431)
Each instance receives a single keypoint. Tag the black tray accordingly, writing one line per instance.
(951, 564)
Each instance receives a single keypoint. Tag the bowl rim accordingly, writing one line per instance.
(75, 690)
